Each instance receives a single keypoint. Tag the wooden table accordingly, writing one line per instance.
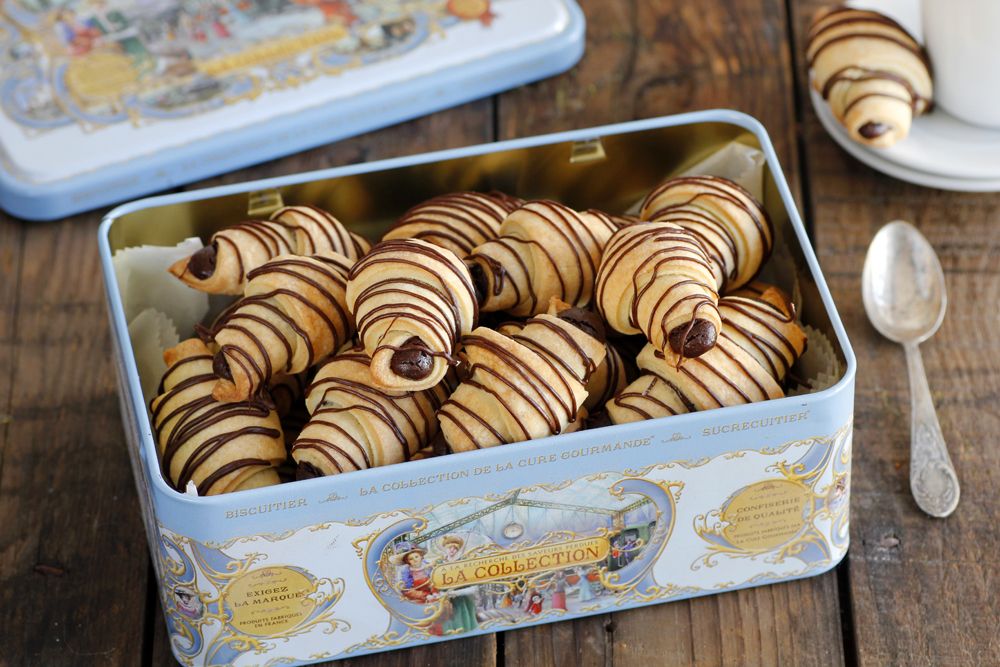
(76, 585)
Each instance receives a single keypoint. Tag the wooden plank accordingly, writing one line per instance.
(72, 555)
(582, 642)
(787, 624)
(476, 651)
(922, 591)
(465, 125)
(647, 59)
(11, 247)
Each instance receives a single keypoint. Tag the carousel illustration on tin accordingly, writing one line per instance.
(98, 62)
(535, 553)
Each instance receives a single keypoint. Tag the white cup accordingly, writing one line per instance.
(963, 40)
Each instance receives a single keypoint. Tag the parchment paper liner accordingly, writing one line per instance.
(144, 283)
(819, 367)
(159, 308)
(151, 332)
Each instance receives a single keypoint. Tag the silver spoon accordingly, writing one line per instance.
(903, 289)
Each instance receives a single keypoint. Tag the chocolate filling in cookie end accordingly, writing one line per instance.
(693, 340)
(202, 263)
(479, 282)
(306, 470)
(873, 130)
(413, 361)
(585, 321)
(220, 366)
(598, 420)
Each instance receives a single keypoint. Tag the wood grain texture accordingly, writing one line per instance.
(582, 642)
(11, 246)
(783, 624)
(73, 561)
(647, 59)
(923, 591)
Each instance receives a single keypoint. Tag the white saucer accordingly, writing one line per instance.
(941, 151)
(876, 159)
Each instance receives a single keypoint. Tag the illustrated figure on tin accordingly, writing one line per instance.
(415, 577)
(558, 584)
(584, 588)
(414, 574)
(535, 601)
(187, 602)
(463, 603)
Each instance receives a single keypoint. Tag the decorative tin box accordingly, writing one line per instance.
(575, 524)
(104, 101)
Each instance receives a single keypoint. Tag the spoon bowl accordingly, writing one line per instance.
(903, 285)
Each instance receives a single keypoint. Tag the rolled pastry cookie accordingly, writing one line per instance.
(221, 447)
(729, 223)
(873, 73)
(458, 221)
(545, 250)
(655, 279)
(524, 388)
(318, 231)
(355, 425)
(222, 266)
(606, 381)
(293, 314)
(412, 302)
(760, 318)
(725, 375)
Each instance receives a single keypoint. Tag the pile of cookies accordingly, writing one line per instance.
(478, 320)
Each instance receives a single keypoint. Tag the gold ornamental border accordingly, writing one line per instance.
(794, 475)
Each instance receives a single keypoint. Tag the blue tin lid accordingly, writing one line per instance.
(107, 100)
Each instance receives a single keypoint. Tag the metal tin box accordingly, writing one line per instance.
(588, 522)
(103, 102)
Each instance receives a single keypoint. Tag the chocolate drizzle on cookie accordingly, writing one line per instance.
(458, 221)
(699, 204)
(552, 403)
(651, 399)
(317, 231)
(438, 301)
(524, 383)
(864, 24)
(759, 342)
(867, 65)
(306, 300)
(345, 399)
(184, 414)
(669, 279)
(247, 245)
(770, 329)
(545, 250)
(728, 375)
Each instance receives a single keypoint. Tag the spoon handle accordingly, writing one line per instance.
(933, 481)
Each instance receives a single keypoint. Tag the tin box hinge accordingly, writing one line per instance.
(587, 151)
(262, 203)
